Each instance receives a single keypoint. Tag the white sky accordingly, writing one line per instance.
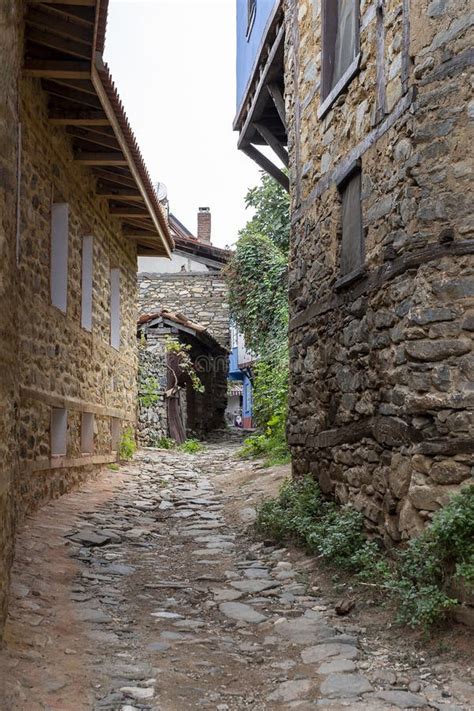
(173, 62)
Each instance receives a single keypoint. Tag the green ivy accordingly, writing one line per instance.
(148, 392)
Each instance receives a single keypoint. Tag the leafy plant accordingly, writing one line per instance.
(272, 212)
(182, 351)
(191, 446)
(420, 578)
(114, 467)
(165, 443)
(128, 446)
(148, 392)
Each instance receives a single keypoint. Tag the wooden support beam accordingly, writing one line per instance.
(273, 142)
(77, 3)
(90, 101)
(92, 137)
(267, 165)
(116, 178)
(78, 118)
(124, 211)
(54, 22)
(278, 100)
(111, 158)
(48, 69)
(61, 44)
(116, 194)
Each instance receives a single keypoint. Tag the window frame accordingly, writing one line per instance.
(87, 432)
(58, 437)
(328, 35)
(115, 433)
(87, 282)
(347, 278)
(115, 308)
(59, 256)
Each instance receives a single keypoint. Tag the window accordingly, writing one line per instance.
(86, 284)
(352, 245)
(115, 308)
(58, 432)
(59, 254)
(87, 433)
(340, 50)
(115, 433)
(251, 12)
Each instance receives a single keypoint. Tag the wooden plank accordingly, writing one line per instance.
(78, 118)
(129, 212)
(267, 166)
(116, 177)
(50, 69)
(273, 142)
(57, 25)
(117, 194)
(77, 3)
(70, 94)
(110, 158)
(61, 44)
(92, 137)
(278, 100)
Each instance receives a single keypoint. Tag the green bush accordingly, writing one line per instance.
(191, 446)
(128, 446)
(419, 578)
(165, 443)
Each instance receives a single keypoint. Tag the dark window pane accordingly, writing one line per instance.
(345, 45)
(352, 252)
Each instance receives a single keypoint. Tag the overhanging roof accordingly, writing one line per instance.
(64, 41)
(182, 324)
(186, 242)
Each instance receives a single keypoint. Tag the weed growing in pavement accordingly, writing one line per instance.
(191, 446)
(114, 467)
(165, 443)
(419, 577)
(128, 446)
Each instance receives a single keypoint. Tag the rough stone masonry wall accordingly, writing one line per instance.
(10, 49)
(152, 378)
(62, 364)
(381, 371)
(201, 297)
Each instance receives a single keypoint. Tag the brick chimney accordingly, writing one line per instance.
(204, 225)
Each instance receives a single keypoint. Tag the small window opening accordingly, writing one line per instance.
(87, 432)
(58, 432)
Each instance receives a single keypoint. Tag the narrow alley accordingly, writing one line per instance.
(146, 589)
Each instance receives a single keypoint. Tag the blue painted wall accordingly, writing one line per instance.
(234, 372)
(247, 47)
(247, 404)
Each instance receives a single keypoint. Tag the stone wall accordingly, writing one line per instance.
(382, 369)
(10, 58)
(200, 297)
(152, 378)
(61, 364)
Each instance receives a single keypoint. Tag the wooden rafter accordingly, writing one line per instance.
(54, 22)
(76, 3)
(61, 44)
(278, 100)
(116, 178)
(118, 194)
(60, 117)
(273, 142)
(267, 165)
(94, 138)
(54, 69)
(110, 158)
(65, 92)
(124, 211)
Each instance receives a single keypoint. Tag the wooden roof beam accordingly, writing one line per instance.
(110, 158)
(78, 118)
(273, 142)
(107, 192)
(91, 137)
(77, 3)
(60, 44)
(267, 165)
(278, 100)
(124, 211)
(51, 69)
(68, 94)
(54, 22)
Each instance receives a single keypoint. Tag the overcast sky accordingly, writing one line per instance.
(173, 62)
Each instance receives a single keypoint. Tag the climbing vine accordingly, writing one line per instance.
(186, 366)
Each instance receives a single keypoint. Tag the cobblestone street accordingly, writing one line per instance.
(143, 590)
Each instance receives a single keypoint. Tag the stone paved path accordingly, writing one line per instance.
(141, 592)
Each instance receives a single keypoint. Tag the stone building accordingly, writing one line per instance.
(190, 290)
(77, 208)
(381, 276)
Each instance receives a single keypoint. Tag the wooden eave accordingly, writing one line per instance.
(261, 116)
(64, 41)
